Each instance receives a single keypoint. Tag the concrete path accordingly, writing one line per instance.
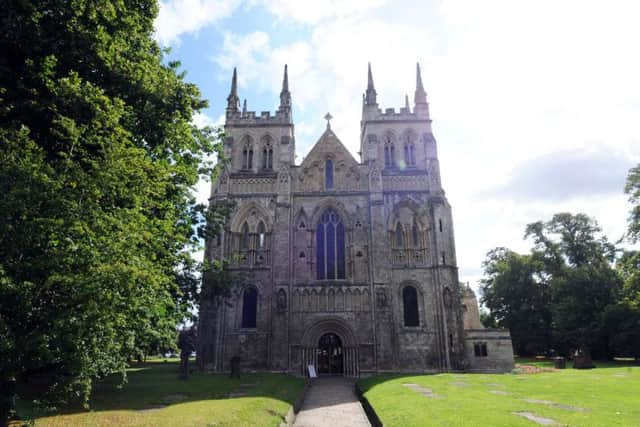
(332, 402)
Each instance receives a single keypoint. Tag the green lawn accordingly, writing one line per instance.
(606, 396)
(154, 396)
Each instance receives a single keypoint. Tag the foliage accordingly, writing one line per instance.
(560, 291)
(202, 400)
(492, 399)
(517, 299)
(632, 188)
(98, 158)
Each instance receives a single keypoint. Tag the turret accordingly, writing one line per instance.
(233, 102)
(420, 98)
(285, 96)
(370, 95)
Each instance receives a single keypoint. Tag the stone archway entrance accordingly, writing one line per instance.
(329, 345)
(330, 355)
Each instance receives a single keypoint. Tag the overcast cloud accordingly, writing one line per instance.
(535, 105)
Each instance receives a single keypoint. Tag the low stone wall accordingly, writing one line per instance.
(499, 350)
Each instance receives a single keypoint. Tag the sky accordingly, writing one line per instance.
(535, 104)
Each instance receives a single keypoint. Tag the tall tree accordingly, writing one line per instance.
(518, 299)
(632, 188)
(98, 157)
(560, 290)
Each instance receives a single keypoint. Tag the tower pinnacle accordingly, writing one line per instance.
(370, 97)
(232, 100)
(421, 95)
(285, 95)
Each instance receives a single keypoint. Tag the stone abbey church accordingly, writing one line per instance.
(346, 265)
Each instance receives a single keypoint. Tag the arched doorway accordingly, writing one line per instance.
(330, 355)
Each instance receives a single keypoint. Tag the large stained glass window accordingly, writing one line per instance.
(330, 247)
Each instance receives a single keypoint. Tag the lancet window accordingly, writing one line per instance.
(247, 156)
(328, 174)
(409, 151)
(410, 306)
(249, 308)
(267, 156)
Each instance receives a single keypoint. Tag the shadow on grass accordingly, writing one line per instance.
(155, 385)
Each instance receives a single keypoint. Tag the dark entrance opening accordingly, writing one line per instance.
(330, 355)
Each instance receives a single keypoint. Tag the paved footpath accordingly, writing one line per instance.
(331, 401)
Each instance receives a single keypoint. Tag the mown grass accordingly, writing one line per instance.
(154, 396)
(608, 396)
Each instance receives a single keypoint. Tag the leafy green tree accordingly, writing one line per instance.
(576, 260)
(622, 319)
(557, 296)
(98, 158)
(632, 188)
(517, 299)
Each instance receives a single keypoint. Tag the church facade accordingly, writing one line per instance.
(346, 265)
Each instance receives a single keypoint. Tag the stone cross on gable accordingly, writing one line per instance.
(328, 118)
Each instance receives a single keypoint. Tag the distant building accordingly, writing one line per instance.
(347, 265)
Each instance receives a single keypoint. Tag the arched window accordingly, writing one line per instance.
(389, 155)
(409, 150)
(267, 157)
(328, 174)
(389, 151)
(249, 308)
(330, 252)
(415, 234)
(261, 235)
(244, 237)
(410, 305)
(399, 243)
(247, 156)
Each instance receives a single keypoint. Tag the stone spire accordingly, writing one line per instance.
(406, 103)
(244, 107)
(285, 95)
(232, 100)
(421, 95)
(370, 97)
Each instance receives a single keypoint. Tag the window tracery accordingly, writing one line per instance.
(389, 152)
(330, 247)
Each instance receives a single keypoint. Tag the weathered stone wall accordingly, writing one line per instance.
(499, 357)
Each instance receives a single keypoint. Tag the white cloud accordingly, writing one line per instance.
(507, 82)
(178, 17)
(201, 120)
(312, 12)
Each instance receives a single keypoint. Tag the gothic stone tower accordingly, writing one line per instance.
(348, 266)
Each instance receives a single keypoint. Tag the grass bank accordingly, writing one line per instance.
(606, 396)
(154, 396)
